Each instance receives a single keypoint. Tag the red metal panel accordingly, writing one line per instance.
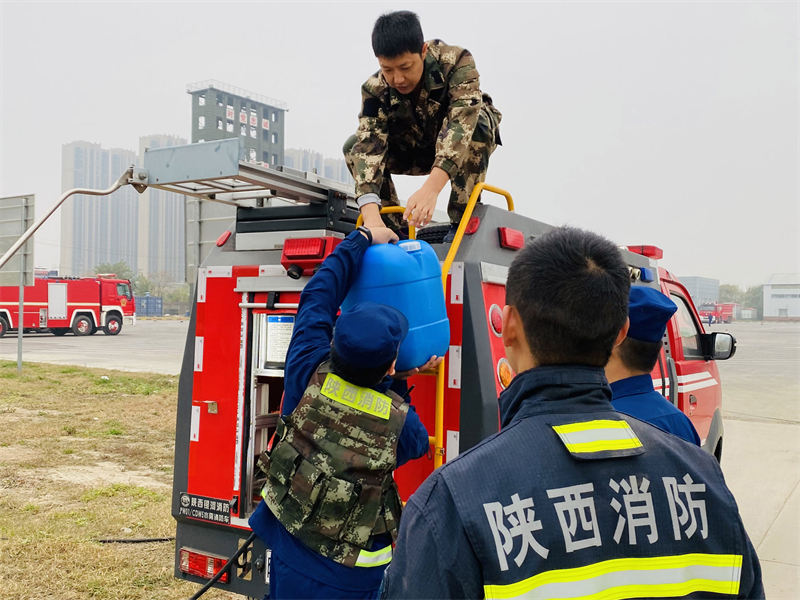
(211, 457)
(494, 297)
(412, 474)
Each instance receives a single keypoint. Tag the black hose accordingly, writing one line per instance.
(242, 549)
(136, 540)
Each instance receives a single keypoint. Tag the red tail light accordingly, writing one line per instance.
(511, 238)
(223, 238)
(294, 249)
(202, 565)
(649, 251)
(473, 225)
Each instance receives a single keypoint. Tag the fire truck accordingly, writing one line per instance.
(81, 305)
(719, 312)
(246, 297)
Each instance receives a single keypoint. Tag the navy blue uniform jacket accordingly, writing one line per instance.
(309, 347)
(635, 396)
(520, 515)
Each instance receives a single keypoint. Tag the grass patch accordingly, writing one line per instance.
(63, 485)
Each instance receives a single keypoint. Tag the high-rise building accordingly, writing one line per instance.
(162, 224)
(310, 160)
(97, 229)
(221, 111)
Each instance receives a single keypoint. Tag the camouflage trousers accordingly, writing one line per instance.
(417, 159)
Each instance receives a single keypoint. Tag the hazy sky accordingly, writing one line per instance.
(667, 123)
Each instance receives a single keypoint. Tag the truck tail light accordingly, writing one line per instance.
(202, 565)
(473, 225)
(653, 252)
(511, 238)
(223, 238)
(297, 248)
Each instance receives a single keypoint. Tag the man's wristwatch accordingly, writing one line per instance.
(366, 232)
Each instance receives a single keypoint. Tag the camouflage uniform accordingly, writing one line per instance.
(329, 474)
(452, 126)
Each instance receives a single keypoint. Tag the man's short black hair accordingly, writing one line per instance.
(396, 33)
(570, 288)
(638, 355)
(359, 376)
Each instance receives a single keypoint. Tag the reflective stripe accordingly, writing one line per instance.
(363, 399)
(654, 577)
(597, 436)
(375, 558)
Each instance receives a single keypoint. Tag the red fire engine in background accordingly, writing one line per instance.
(62, 304)
(719, 312)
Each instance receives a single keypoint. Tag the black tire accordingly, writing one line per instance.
(82, 326)
(3, 326)
(113, 325)
(59, 331)
(433, 234)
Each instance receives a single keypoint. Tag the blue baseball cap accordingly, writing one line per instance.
(368, 334)
(648, 310)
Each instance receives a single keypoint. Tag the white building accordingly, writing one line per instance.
(782, 297)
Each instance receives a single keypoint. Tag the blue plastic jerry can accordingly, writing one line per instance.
(407, 276)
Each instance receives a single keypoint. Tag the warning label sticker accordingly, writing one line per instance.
(207, 509)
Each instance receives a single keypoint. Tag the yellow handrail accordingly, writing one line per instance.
(438, 421)
(412, 231)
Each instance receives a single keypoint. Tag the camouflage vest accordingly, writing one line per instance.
(329, 472)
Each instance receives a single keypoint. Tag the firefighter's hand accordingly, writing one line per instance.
(419, 209)
(433, 363)
(382, 235)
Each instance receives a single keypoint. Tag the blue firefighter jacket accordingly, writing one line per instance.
(309, 347)
(635, 396)
(573, 499)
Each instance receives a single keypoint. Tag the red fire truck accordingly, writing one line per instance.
(719, 312)
(61, 304)
(246, 296)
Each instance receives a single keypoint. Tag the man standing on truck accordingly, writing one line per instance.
(628, 370)
(571, 498)
(331, 507)
(422, 113)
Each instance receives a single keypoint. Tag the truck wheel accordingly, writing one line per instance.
(59, 330)
(82, 325)
(113, 325)
(3, 326)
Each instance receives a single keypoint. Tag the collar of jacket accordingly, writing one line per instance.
(638, 384)
(537, 390)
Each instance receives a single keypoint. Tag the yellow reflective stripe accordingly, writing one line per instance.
(365, 400)
(597, 436)
(617, 579)
(589, 425)
(603, 445)
(375, 558)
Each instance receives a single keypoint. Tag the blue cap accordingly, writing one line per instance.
(369, 334)
(649, 310)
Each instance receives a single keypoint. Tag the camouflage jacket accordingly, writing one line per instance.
(329, 474)
(441, 121)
